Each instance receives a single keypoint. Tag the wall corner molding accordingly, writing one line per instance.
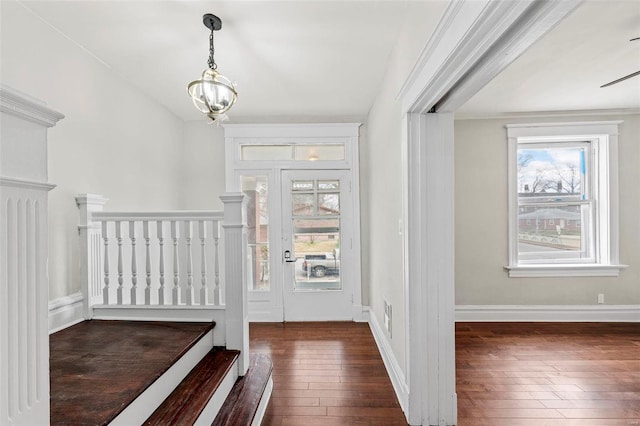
(27, 107)
(65, 311)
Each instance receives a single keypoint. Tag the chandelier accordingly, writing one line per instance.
(213, 94)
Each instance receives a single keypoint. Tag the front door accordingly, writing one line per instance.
(317, 243)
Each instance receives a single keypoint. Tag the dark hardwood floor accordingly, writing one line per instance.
(508, 374)
(548, 374)
(99, 367)
(326, 374)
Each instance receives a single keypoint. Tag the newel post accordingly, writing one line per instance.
(235, 257)
(90, 250)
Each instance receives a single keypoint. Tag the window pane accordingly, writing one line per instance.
(302, 204)
(266, 152)
(317, 246)
(302, 185)
(256, 190)
(328, 184)
(329, 204)
(554, 232)
(552, 173)
(325, 152)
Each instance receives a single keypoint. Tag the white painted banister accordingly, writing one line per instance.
(207, 247)
(235, 240)
(175, 293)
(134, 264)
(105, 237)
(202, 228)
(189, 290)
(90, 250)
(110, 252)
(120, 270)
(217, 299)
(161, 264)
(147, 263)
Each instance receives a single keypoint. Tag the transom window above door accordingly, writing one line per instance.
(292, 152)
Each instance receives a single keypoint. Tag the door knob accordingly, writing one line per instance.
(287, 256)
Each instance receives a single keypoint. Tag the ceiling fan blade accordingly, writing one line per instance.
(621, 79)
(634, 39)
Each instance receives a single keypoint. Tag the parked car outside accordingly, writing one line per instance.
(321, 264)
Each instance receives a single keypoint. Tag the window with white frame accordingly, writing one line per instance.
(563, 199)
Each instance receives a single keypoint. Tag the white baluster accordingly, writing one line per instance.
(216, 266)
(176, 270)
(134, 263)
(105, 290)
(161, 262)
(204, 299)
(120, 276)
(147, 290)
(187, 231)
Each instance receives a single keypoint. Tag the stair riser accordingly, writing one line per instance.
(210, 412)
(147, 402)
(264, 402)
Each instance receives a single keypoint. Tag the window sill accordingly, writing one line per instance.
(563, 270)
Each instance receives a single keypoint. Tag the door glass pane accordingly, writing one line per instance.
(302, 185)
(328, 184)
(329, 204)
(317, 248)
(256, 190)
(302, 204)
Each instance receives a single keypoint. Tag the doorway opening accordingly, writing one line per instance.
(303, 223)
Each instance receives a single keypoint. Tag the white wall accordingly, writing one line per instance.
(203, 170)
(114, 141)
(381, 180)
(481, 222)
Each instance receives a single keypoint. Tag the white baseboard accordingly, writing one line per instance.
(547, 313)
(65, 311)
(360, 313)
(396, 375)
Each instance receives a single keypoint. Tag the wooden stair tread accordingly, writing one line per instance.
(98, 368)
(242, 403)
(186, 402)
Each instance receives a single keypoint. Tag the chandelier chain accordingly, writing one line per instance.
(211, 61)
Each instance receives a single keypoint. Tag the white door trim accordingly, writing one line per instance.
(238, 134)
(466, 51)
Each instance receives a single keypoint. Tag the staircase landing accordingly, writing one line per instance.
(99, 367)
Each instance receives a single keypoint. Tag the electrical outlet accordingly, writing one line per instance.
(600, 298)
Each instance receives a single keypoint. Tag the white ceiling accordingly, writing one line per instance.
(288, 58)
(565, 69)
(327, 58)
